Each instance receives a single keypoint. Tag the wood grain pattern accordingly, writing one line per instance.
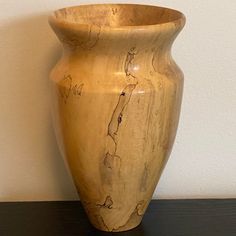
(117, 95)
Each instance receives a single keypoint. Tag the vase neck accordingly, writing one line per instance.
(96, 39)
(133, 52)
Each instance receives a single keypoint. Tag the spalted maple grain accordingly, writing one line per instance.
(117, 95)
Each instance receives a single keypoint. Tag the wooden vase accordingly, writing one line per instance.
(116, 98)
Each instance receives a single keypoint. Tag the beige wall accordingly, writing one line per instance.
(203, 161)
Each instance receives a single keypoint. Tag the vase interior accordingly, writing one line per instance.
(117, 15)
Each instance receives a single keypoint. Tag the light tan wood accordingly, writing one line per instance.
(117, 95)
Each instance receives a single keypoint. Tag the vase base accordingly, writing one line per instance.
(124, 228)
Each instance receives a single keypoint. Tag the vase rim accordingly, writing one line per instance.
(73, 16)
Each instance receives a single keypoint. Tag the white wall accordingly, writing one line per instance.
(203, 161)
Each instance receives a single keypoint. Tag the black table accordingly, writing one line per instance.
(163, 218)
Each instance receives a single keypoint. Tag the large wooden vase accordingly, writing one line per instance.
(117, 95)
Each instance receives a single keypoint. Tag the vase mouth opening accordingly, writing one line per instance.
(117, 16)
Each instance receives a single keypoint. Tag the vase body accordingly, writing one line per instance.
(116, 103)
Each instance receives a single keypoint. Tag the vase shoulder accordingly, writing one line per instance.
(111, 71)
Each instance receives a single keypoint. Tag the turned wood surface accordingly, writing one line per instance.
(116, 98)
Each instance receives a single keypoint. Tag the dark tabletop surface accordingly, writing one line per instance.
(163, 218)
